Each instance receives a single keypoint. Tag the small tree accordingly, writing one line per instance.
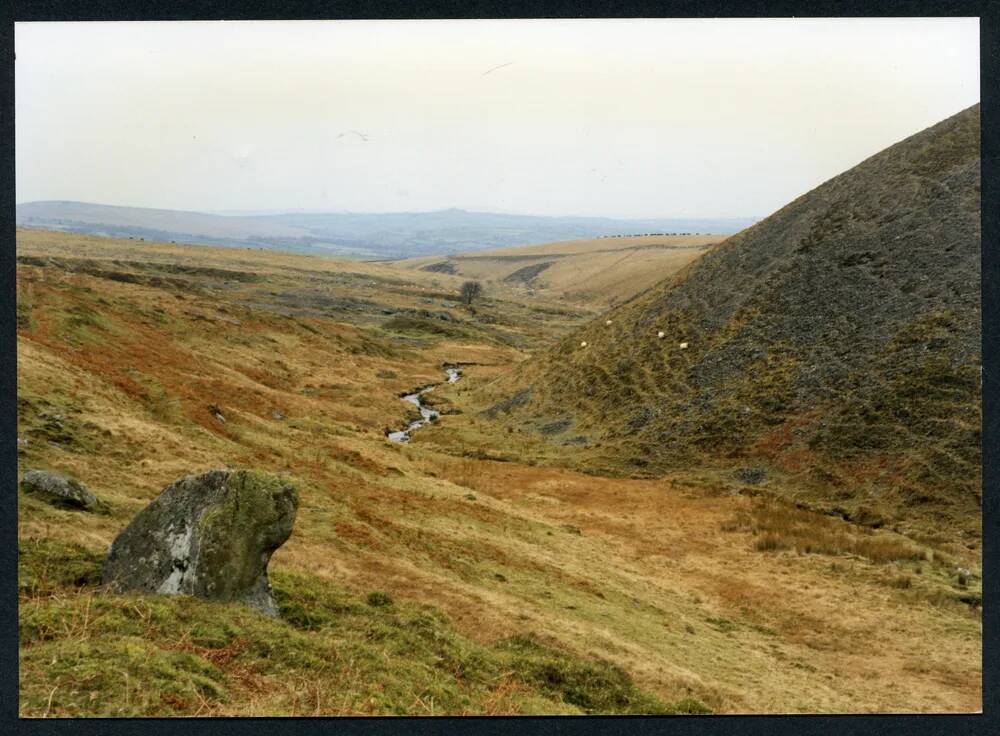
(471, 290)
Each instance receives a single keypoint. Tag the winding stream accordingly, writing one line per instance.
(426, 414)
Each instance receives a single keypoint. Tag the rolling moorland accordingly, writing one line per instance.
(390, 235)
(600, 271)
(513, 557)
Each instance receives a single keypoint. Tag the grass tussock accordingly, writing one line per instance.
(778, 526)
(89, 653)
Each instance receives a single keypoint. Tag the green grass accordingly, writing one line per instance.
(24, 317)
(54, 418)
(163, 405)
(83, 324)
(85, 652)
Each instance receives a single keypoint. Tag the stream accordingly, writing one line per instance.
(426, 414)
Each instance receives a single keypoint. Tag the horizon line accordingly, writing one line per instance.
(275, 211)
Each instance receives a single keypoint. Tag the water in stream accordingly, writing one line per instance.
(426, 414)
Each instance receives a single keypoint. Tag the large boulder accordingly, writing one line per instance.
(208, 535)
(58, 490)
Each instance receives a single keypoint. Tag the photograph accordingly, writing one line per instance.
(497, 367)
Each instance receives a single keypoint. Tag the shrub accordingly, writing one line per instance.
(471, 290)
(378, 599)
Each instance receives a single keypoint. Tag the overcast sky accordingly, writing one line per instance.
(623, 118)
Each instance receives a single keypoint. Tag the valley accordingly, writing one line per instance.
(616, 366)
(471, 570)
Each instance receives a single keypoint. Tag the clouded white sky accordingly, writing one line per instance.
(622, 118)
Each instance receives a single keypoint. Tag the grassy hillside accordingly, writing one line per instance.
(832, 349)
(600, 271)
(332, 652)
(415, 305)
(450, 575)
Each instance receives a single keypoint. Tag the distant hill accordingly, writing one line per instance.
(91, 218)
(387, 236)
(598, 271)
(835, 345)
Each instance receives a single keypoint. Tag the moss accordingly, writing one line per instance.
(53, 418)
(305, 603)
(88, 653)
(124, 677)
(230, 531)
(24, 316)
(49, 566)
(594, 686)
(378, 599)
(82, 323)
(163, 405)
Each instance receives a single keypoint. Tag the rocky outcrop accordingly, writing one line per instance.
(60, 491)
(210, 535)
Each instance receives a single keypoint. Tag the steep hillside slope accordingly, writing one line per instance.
(836, 345)
(598, 271)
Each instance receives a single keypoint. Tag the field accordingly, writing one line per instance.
(456, 574)
(601, 271)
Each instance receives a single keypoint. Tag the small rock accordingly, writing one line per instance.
(58, 490)
(217, 413)
(208, 535)
(278, 414)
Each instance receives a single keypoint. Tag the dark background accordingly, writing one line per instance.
(111, 10)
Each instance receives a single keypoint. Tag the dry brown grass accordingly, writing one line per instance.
(599, 271)
(776, 525)
(635, 571)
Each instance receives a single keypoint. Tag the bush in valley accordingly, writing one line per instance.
(471, 290)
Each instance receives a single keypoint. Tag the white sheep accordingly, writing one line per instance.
(661, 334)
(684, 346)
(607, 321)
(583, 344)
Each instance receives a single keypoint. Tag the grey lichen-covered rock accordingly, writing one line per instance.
(209, 535)
(59, 490)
